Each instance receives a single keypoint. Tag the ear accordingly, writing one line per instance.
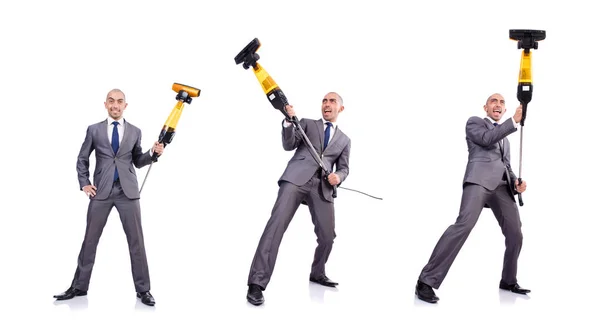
(341, 109)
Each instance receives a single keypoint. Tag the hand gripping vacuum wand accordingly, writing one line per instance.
(278, 99)
(184, 95)
(527, 40)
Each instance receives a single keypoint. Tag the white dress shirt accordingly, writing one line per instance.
(333, 129)
(120, 129)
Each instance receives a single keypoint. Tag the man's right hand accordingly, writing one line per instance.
(90, 190)
(518, 114)
(290, 110)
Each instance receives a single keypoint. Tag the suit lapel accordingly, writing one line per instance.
(103, 126)
(501, 143)
(488, 123)
(336, 134)
(319, 124)
(126, 135)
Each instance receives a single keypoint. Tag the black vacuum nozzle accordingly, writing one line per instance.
(248, 55)
(527, 38)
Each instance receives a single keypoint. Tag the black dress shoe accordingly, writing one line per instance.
(255, 295)
(515, 288)
(147, 298)
(70, 294)
(425, 292)
(323, 280)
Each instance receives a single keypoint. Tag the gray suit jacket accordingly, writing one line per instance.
(129, 154)
(488, 160)
(302, 166)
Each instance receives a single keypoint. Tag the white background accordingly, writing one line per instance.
(411, 74)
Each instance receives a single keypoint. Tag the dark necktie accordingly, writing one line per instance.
(115, 145)
(327, 134)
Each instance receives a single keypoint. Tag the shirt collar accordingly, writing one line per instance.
(492, 120)
(110, 121)
(334, 124)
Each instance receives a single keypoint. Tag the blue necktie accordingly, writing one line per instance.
(115, 145)
(495, 124)
(327, 134)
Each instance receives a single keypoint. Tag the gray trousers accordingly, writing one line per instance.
(474, 199)
(97, 215)
(289, 199)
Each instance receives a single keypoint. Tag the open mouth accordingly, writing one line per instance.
(497, 111)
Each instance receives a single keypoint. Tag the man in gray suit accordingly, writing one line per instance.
(303, 183)
(118, 149)
(489, 182)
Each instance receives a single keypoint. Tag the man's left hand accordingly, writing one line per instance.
(333, 179)
(520, 188)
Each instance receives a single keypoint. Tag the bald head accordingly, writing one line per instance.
(115, 90)
(495, 95)
(339, 97)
